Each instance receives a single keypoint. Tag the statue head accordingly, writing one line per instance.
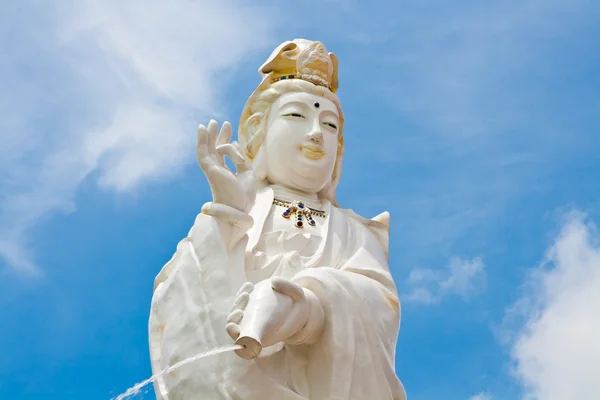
(291, 127)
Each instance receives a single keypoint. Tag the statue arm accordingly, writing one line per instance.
(368, 258)
(233, 225)
(363, 276)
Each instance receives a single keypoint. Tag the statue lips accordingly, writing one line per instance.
(312, 151)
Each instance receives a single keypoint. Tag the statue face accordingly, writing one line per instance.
(301, 141)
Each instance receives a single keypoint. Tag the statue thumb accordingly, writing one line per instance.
(288, 288)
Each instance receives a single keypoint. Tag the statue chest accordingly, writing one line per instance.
(281, 236)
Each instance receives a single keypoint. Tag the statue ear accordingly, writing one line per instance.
(259, 164)
(253, 125)
(255, 130)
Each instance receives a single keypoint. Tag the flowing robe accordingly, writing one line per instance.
(353, 359)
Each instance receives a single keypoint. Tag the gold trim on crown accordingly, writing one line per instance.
(303, 59)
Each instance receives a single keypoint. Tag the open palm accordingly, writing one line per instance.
(237, 190)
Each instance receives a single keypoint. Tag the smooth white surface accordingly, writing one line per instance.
(319, 305)
(301, 142)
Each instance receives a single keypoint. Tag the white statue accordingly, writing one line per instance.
(273, 264)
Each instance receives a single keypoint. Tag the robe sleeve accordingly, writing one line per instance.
(192, 298)
(355, 357)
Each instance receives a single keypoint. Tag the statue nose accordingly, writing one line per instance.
(316, 136)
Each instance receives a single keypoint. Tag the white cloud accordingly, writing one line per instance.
(557, 352)
(111, 88)
(462, 277)
(481, 396)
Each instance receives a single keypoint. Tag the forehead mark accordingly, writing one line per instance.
(308, 100)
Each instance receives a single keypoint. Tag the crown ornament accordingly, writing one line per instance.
(302, 59)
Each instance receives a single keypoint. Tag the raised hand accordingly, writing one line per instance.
(236, 190)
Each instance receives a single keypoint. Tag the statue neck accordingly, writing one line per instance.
(288, 194)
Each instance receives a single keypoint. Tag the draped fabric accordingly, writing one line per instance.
(346, 268)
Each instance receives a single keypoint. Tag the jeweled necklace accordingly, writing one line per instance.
(301, 211)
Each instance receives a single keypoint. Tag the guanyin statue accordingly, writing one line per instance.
(273, 263)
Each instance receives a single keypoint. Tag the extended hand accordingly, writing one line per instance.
(274, 310)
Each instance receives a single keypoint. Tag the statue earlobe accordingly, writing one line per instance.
(259, 164)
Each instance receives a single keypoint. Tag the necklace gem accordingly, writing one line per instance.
(301, 212)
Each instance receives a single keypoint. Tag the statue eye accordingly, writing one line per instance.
(330, 124)
(294, 114)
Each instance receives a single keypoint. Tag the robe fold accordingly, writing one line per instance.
(354, 357)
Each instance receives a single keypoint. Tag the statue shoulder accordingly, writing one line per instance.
(378, 226)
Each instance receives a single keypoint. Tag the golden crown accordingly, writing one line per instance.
(302, 59)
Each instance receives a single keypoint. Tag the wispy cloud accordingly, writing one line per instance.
(556, 351)
(462, 278)
(111, 88)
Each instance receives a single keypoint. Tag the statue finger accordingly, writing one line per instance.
(288, 288)
(213, 132)
(241, 302)
(225, 134)
(230, 151)
(202, 140)
(244, 164)
(233, 330)
(222, 139)
(236, 316)
(203, 153)
(247, 287)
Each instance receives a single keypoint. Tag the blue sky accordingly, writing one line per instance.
(476, 124)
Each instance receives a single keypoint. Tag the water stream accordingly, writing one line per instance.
(134, 390)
